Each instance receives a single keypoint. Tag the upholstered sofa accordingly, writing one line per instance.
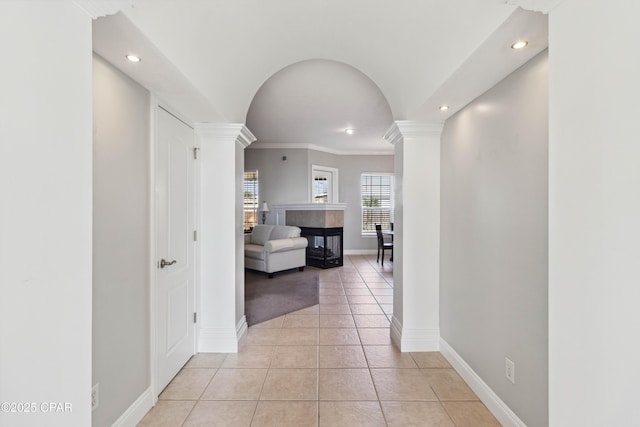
(273, 248)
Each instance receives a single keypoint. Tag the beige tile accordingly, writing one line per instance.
(300, 321)
(290, 384)
(346, 384)
(167, 413)
(361, 299)
(358, 291)
(336, 321)
(250, 356)
(206, 360)
(375, 336)
(352, 414)
(333, 299)
(227, 414)
(448, 385)
(470, 414)
(388, 356)
(387, 308)
(302, 336)
(327, 285)
(384, 299)
(261, 337)
(350, 277)
(295, 357)
(366, 309)
(371, 320)
(430, 359)
(382, 291)
(373, 278)
(269, 324)
(415, 414)
(335, 309)
(188, 384)
(292, 413)
(235, 384)
(402, 384)
(378, 285)
(339, 336)
(331, 291)
(314, 309)
(354, 285)
(342, 356)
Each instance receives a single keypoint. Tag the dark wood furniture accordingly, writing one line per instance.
(382, 245)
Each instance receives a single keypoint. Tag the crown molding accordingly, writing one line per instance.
(97, 8)
(321, 148)
(544, 6)
(225, 131)
(402, 129)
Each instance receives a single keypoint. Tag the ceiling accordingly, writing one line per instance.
(300, 72)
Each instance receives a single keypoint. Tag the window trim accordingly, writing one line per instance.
(364, 233)
(256, 192)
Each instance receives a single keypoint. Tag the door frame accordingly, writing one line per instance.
(335, 187)
(156, 103)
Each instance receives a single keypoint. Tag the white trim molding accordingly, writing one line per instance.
(544, 6)
(498, 408)
(401, 129)
(217, 340)
(321, 148)
(226, 131)
(97, 8)
(241, 329)
(414, 339)
(136, 412)
(349, 252)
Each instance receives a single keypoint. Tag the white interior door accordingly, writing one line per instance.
(175, 252)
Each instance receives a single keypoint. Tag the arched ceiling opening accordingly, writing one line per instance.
(313, 102)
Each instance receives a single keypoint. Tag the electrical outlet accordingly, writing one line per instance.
(95, 397)
(510, 370)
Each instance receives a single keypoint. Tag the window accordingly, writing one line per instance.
(376, 191)
(251, 200)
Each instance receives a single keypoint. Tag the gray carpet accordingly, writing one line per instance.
(287, 292)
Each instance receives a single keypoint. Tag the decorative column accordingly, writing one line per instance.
(416, 270)
(221, 267)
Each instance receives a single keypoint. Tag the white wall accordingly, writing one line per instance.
(493, 296)
(120, 241)
(45, 211)
(288, 182)
(594, 214)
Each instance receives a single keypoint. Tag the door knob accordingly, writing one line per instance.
(164, 263)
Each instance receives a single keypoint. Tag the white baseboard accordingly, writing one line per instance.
(348, 252)
(414, 339)
(241, 329)
(136, 411)
(498, 408)
(217, 340)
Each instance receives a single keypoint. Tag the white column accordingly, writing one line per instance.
(221, 255)
(415, 324)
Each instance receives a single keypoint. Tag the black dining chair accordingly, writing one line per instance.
(382, 245)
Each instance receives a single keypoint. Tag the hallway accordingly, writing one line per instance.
(332, 364)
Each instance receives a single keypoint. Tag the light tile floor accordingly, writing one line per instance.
(332, 364)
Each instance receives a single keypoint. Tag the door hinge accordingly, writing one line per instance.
(195, 317)
(195, 235)
(195, 152)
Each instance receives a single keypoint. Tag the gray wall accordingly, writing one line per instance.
(493, 297)
(288, 182)
(120, 241)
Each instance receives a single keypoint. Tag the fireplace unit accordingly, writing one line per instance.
(325, 248)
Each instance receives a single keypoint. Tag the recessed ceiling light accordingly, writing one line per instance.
(348, 131)
(519, 44)
(134, 58)
(443, 107)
